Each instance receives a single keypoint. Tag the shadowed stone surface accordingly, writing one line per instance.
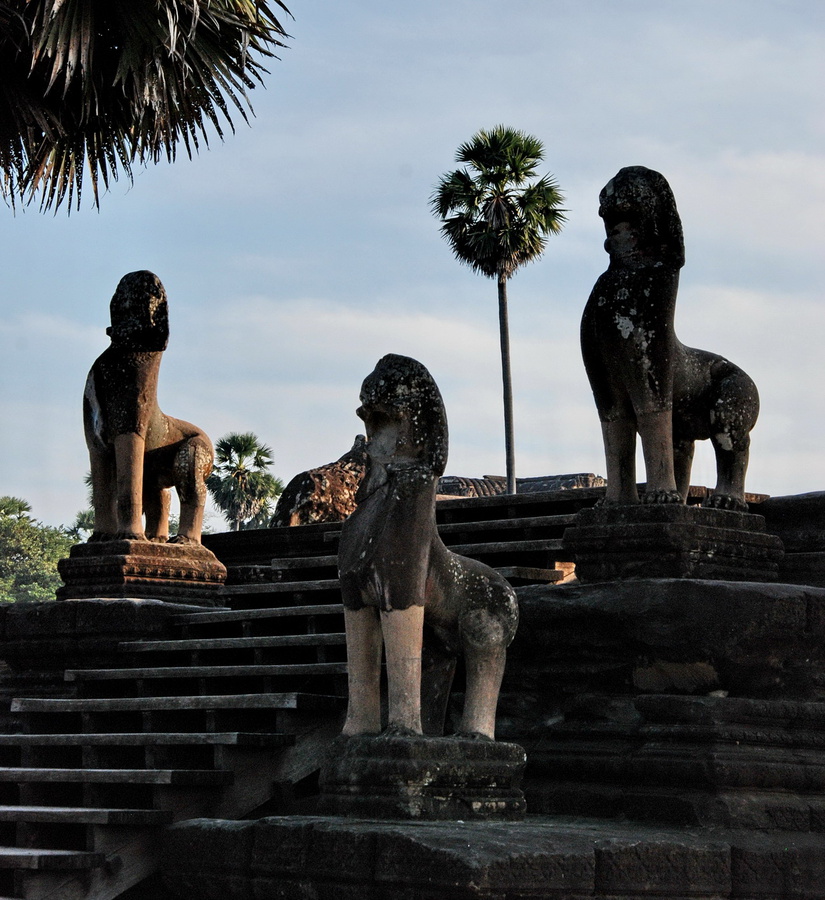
(665, 636)
(643, 378)
(554, 858)
(423, 778)
(612, 543)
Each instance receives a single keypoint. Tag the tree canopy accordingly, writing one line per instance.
(241, 484)
(29, 552)
(100, 85)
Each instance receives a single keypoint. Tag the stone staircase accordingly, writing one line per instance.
(230, 713)
(225, 717)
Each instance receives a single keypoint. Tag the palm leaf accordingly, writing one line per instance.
(94, 87)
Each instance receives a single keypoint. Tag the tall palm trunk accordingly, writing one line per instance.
(507, 384)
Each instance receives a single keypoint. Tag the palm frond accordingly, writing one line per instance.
(94, 87)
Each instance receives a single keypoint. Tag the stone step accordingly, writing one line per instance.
(149, 738)
(81, 815)
(238, 643)
(519, 575)
(290, 700)
(550, 545)
(515, 524)
(172, 777)
(304, 562)
(26, 858)
(281, 587)
(337, 668)
(275, 612)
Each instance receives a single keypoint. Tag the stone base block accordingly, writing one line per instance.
(181, 573)
(543, 859)
(672, 541)
(423, 778)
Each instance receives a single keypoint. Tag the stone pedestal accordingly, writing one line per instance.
(612, 543)
(181, 573)
(423, 778)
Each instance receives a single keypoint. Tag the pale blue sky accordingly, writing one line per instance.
(300, 250)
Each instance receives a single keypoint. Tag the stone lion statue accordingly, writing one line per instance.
(398, 578)
(137, 453)
(643, 378)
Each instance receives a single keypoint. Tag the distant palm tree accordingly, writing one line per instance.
(104, 84)
(240, 484)
(15, 508)
(496, 220)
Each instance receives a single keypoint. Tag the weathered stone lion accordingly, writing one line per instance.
(643, 378)
(397, 575)
(136, 452)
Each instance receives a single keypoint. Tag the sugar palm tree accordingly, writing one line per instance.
(241, 485)
(104, 84)
(497, 216)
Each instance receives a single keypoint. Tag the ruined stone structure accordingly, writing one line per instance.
(323, 494)
(643, 378)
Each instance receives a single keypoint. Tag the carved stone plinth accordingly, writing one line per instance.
(612, 543)
(731, 762)
(423, 778)
(182, 573)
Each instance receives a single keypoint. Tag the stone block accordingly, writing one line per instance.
(423, 778)
(793, 869)
(281, 845)
(208, 859)
(342, 853)
(662, 868)
(489, 857)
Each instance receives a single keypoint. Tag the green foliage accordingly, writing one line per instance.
(104, 84)
(29, 552)
(241, 485)
(494, 218)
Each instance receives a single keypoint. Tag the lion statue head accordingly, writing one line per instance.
(139, 313)
(641, 220)
(404, 413)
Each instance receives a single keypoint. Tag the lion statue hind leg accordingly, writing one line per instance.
(732, 417)
(191, 468)
(486, 626)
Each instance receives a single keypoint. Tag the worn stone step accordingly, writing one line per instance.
(281, 587)
(243, 615)
(518, 575)
(289, 700)
(515, 524)
(484, 549)
(25, 858)
(237, 643)
(173, 777)
(81, 815)
(337, 668)
(149, 738)
(304, 562)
